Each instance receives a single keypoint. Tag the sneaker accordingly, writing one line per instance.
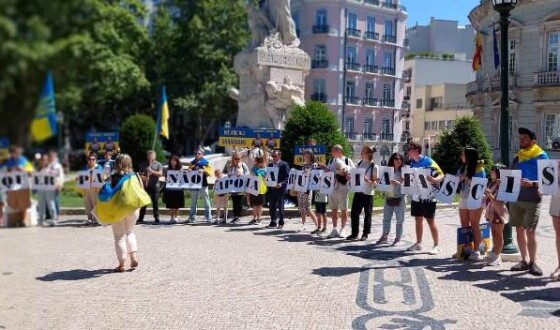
(172, 221)
(216, 222)
(435, 250)
(382, 240)
(475, 256)
(272, 225)
(494, 260)
(315, 232)
(280, 226)
(190, 220)
(535, 270)
(555, 276)
(396, 241)
(235, 220)
(364, 237)
(520, 266)
(252, 222)
(258, 222)
(322, 232)
(415, 247)
(333, 234)
(51, 223)
(351, 238)
(303, 228)
(342, 232)
(89, 222)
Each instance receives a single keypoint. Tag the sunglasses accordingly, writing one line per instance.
(92, 159)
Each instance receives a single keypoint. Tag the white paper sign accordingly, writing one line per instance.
(291, 179)
(315, 180)
(302, 181)
(221, 186)
(192, 180)
(548, 176)
(83, 180)
(386, 174)
(97, 178)
(357, 179)
(271, 177)
(327, 183)
(408, 186)
(424, 187)
(14, 181)
(510, 185)
(174, 180)
(44, 181)
(448, 188)
(252, 185)
(237, 184)
(476, 193)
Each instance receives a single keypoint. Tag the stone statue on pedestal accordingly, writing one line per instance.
(271, 68)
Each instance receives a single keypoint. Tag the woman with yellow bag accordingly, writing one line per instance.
(119, 202)
(257, 201)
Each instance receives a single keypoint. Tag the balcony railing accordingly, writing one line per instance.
(406, 42)
(353, 66)
(388, 71)
(390, 5)
(406, 97)
(319, 64)
(369, 136)
(353, 100)
(371, 68)
(371, 102)
(372, 2)
(351, 135)
(491, 84)
(321, 97)
(550, 78)
(371, 35)
(388, 103)
(354, 33)
(390, 39)
(386, 136)
(321, 29)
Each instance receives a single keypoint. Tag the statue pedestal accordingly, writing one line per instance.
(271, 79)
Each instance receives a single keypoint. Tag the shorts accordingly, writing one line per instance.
(524, 214)
(423, 209)
(256, 200)
(338, 200)
(320, 208)
(555, 206)
(462, 203)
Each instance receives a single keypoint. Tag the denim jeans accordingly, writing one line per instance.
(203, 192)
(388, 215)
(47, 202)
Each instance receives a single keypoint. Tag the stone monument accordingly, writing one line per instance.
(271, 68)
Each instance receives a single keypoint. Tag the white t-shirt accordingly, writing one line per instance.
(343, 164)
(57, 169)
(372, 170)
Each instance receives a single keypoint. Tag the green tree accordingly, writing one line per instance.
(467, 132)
(93, 47)
(136, 137)
(314, 120)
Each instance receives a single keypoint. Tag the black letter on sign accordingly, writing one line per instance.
(548, 174)
(423, 181)
(272, 176)
(386, 178)
(407, 179)
(449, 188)
(474, 192)
(196, 178)
(358, 183)
(509, 186)
(327, 182)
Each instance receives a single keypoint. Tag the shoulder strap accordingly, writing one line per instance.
(370, 167)
(346, 161)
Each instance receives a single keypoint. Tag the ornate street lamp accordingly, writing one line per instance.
(504, 7)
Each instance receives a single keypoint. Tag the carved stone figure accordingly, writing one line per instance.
(280, 17)
(280, 98)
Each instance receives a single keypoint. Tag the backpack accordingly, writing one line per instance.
(342, 179)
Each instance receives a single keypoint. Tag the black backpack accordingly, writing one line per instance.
(342, 179)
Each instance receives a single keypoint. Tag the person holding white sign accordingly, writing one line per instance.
(90, 194)
(46, 197)
(257, 202)
(236, 168)
(471, 167)
(202, 165)
(524, 214)
(394, 202)
(497, 215)
(151, 173)
(275, 195)
(555, 213)
(174, 199)
(424, 207)
(364, 200)
(304, 197)
(338, 200)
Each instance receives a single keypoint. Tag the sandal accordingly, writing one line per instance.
(119, 269)
(556, 275)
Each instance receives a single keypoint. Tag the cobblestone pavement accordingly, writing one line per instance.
(247, 277)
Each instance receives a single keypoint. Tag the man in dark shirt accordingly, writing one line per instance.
(150, 176)
(276, 194)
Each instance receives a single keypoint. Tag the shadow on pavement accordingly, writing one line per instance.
(245, 229)
(337, 271)
(74, 275)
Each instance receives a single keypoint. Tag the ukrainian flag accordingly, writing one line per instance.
(43, 125)
(163, 115)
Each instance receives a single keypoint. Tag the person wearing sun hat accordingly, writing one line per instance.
(524, 214)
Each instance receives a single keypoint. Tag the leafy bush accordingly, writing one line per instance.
(314, 120)
(467, 132)
(136, 137)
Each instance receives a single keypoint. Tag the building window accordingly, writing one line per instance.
(350, 88)
(352, 21)
(386, 126)
(512, 55)
(441, 124)
(351, 55)
(369, 90)
(370, 57)
(321, 17)
(553, 51)
(552, 129)
(407, 125)
(295, 17)
(370, 24)
(387, 60)
(388, 92)
(388, 28)
(320, 52)
(450, 124)
(368, 125)
(426, 125)
(319, 86)
(408, 90)
(419, 104)
(436, 103)
(349, 125)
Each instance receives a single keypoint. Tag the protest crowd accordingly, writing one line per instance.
(114, 194)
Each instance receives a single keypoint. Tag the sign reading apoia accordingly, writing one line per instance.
(180, 180)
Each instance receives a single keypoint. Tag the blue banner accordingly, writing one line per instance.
(247, 137)
(319, 150)
(99, 142)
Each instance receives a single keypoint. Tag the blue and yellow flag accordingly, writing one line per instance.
(163, 115)
(44, 123)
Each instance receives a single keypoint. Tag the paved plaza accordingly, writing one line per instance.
(248, 277)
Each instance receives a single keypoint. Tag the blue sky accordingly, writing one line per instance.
(421, 10)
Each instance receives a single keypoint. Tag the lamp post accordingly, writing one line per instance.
(59, 123)
(504, 7)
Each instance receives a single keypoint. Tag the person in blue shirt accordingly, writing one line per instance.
(425, 206)
(471, 167)
(524, 214)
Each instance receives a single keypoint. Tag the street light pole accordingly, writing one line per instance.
(504, 7)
